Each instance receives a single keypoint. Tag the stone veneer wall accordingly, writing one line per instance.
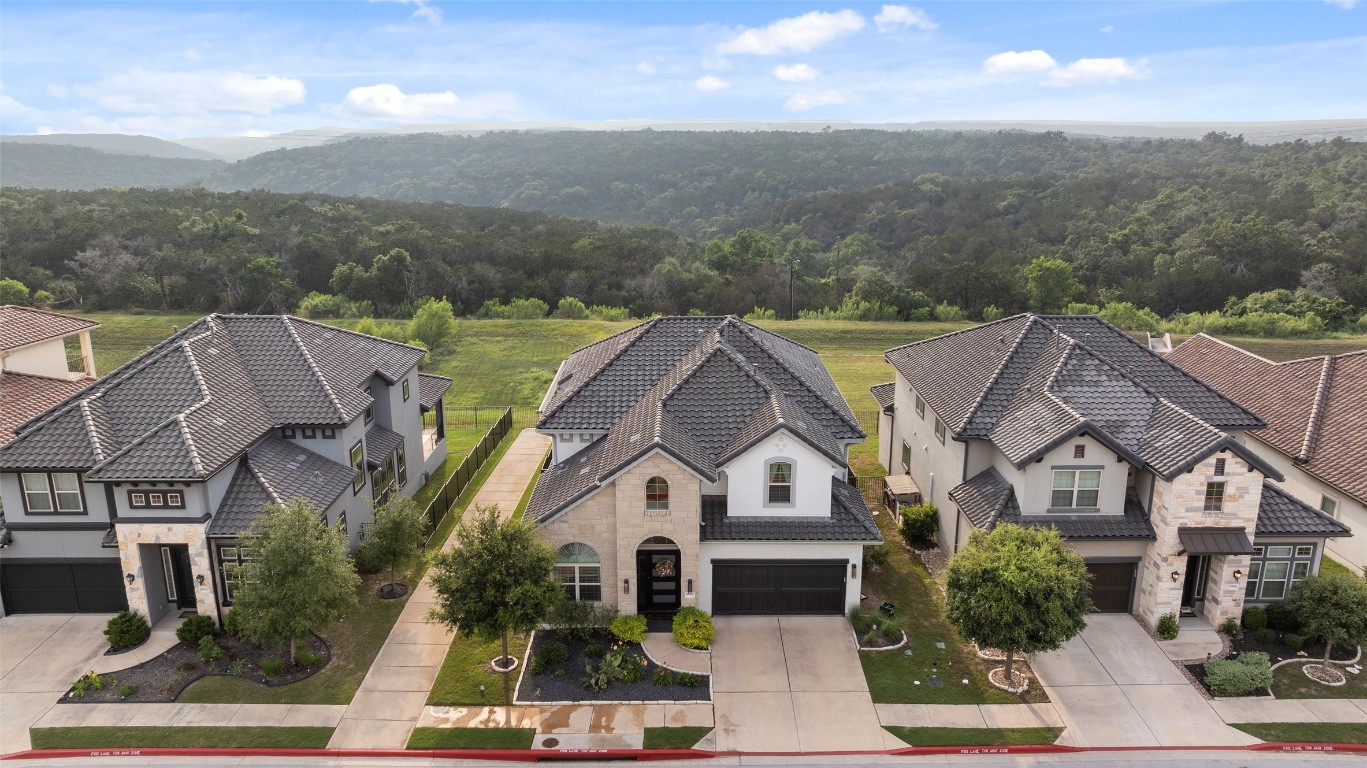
(593, 522)
(1180, 504)
(131, 536)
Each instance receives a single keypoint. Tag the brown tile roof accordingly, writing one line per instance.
(23, 396)
(21, 326)
(1315, 407)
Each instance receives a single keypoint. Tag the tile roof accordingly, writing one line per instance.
(1028, 383)
(885, 394)
(1281, 514)
(197, 400)
(431, 389)
(275, 471)
(850, 520)
(380, 444)
(727, 386)
(24, 396)
(21, 326)
(984, 497)
(987, 499)
(1314, 407)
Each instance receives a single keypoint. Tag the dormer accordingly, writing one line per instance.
(781, 476)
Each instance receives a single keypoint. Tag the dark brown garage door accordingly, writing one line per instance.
(778, 587)
(1112, 584)
(63, 587)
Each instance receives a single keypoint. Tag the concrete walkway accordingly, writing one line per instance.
(662, 650)
(163, 637)
(587, 726)
(970, 715)
(1196, 640)
(40, 657)
(1265, 710)
(393, 695)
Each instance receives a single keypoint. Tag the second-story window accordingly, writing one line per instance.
(780, 483)
(920, 407)
(940, 431)
(1329, 506)
(49, 493)
(358, 464)
(1215, 497)
(370, 409)
(657, 495)
(1075, 488)
(906, 457)
(406, 390)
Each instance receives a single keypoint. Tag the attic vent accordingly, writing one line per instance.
(219, 421)
(211, 350)
(298, 457)
(1002, 339)
(634, 437)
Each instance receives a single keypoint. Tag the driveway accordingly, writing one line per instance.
(1115, 687)
(40, 657)
(791, 684)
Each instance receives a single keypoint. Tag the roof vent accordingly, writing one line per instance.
(299, 457)
(218, 421)
(211, 350)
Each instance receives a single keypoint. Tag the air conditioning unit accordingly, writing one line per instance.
(425, 477)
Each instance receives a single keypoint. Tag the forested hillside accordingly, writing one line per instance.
(62, 166)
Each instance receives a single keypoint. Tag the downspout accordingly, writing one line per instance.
(892, 432)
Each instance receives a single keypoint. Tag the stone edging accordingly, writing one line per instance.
(1317, 660)
(1025, 686)
(900, 644)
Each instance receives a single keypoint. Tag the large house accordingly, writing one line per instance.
(133, 491)
(1068, 422)
(1316, 414)
(45, 357)
(702, 461)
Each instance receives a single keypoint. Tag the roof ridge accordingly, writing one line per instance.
(848, 419)
(313, 366)
(194, 369)
(261, 479)
(991, 382)
(743, 322)
(645, 328)
(1317, 409)
(89, 420)
(290, 319)
(139, 440)
(977, 327)
(1238, 349)
(189, 443)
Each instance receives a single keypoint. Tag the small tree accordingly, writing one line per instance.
(301, 577)
(433, 323)
(496, 581)
(1332, 606)
(1050, 284)
(1018, 589)
(13, 292)
(395, 535)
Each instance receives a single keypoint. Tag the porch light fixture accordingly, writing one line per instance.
(854, 571)
(130, 578)
(690, 586)
(1175, 576)
(199, 579)
(626, 586)
(1238, 574)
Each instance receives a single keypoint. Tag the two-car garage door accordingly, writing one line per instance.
(63, 587)
(778, 587)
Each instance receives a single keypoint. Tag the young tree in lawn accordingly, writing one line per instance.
(1332, 606)
(497, 580)
(1019, 590)
(433, 323)
(300, 577)
(395, 535)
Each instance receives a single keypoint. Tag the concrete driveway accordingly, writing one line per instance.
(791, 684)
(40, 657)
(1114, 687)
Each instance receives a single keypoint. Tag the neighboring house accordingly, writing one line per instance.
(702, 461)
(1066, 421)
(1316, 414)
(133, 492)
(45, 357)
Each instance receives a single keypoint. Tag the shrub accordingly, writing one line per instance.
(610, 314)
(1230, 627)
(919, 522)
(629, 629)
(760, 313)
(126, 690)
(571, 308)
(1239, 677)
(594, 651)
(992, 313)
(876, 557)
(209, 650)
(1254, 618)
(1281, 618)
(946, 312)
(634, 669)
(575, 620)
(596, 679)
(237, 667)
(1167, 626)
(232, 624)
(662, 677)
(126, 630)
(553, 653)
(689, 680)
(317, 306)
(195, 628)
(536, 666)
(526, 309)
(693, 628)
(273, 667)
(1079, 308)
(308, 658)
(1128, 317)
(1265, 636)
(1293, 642)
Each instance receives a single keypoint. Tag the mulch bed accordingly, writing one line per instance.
(1197, 672)
(564, 681)
(1278, 652)
(162, 679)
(935, 559)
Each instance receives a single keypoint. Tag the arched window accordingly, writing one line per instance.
(577, 567)
(657, 495)
(779, 482)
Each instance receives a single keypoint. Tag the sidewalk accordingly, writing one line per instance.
(393, 694)
(970, 715)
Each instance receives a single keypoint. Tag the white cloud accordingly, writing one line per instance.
(645, 68)
(804, 101)
(894, 16)
(1109, 29)
(796, 73)
(387, 101)
(425, 9)
(711, 83)
(162, 92)
(1347, 5)
(57, 91)
(799, 34)
(192, 54)
(1014, 64)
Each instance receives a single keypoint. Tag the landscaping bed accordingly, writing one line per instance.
(548, 677)
(163, 679)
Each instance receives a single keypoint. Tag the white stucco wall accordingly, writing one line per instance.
(746, 494)
(936, 468)
(1350, 550)
(761, 550)
(47, 358)
(1034, 483)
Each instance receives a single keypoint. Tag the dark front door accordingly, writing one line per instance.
(185, 585)
(778, 587)
(1194, 588)
(1112, 586)
(657, 574)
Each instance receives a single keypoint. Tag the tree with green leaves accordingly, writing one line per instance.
(433, 323)
(1018, 590)
(393, 537)
(497, 580)
(300, 579)
(1049, 284)
(13, 292)
(1332, 606)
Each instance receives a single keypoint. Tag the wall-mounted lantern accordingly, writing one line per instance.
(1238, 574)
(626, 586)
(130, 578)
(1175, 576)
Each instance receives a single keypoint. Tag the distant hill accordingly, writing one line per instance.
(59, 166)
(243, 147)
(117, 144)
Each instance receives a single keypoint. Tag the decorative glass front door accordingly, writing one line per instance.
(657, 573)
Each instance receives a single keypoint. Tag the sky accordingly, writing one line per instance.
(178, 69)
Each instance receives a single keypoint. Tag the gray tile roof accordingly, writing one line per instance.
(380, 444)
(987, 499)
(885, 394)
(197, 400)
(276, 471)
(850, 520)
(1281, 514)
(431, 389)
(1029, 383)
(984, 498)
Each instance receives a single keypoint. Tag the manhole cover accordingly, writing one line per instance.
(550, 743)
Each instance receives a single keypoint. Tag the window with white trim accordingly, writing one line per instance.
(657, 496)
(920, 407)
(778, 482)
(940, 431)
(358, 464)
(1329, 506)
(169, 573)
(1074, 488)
(580, 572)
(370, 409)
(906, 457)
(1215, 497)
(401, 462)
(341, 524)
(407, 391)
(52, 493)
(231, 562)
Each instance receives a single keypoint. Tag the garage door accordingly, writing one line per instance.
(778, 587)
(63, 587)
(1112, 584)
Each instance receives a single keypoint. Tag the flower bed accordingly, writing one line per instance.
(547, 677)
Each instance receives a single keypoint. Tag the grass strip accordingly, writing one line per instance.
(471, 738)
(682, 737)
(119, 737)
(466, 668)
(973, 737)
(1334, 733)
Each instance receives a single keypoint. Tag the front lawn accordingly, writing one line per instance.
(466, 668)
(681, 737)
(471, 738)
(973, 737)
(1290, 682)
(115, 737)
(1333, 733)
(935, 648)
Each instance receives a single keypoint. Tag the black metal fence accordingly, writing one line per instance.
(499, 427)
(478, 416)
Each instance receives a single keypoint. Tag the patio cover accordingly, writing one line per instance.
(1215, 541)
(902, 487)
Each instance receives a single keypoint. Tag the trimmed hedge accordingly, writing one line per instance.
(693, 628)
(1239, 677)
(1254, 618)
(127, 629)
(919, 522)
(630, 628)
